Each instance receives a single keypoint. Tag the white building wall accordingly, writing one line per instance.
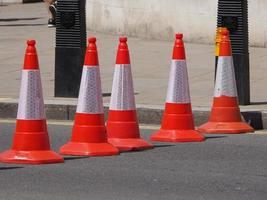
(258, 22)
(162, 18)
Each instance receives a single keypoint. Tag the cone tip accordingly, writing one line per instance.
(91, 56)
(179, 36)
(123, 39)
(123, 56)
(31, 42)
(178, 49)
(31, 58)
(92, 40)
(225, 44)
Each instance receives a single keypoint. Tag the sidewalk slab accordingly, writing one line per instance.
(150, 66)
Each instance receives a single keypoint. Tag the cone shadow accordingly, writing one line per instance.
(75, 157)
(163, 145)
(8, 168)
(135, 150)
(259, 103)
(214, 136)
(154, 146)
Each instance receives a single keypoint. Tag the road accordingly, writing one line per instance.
(223, 167)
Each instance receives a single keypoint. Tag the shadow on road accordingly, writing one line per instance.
(259, 103)
(214, 137)
(155, 146)
(7, 168)
(75, 158)
(163, 145)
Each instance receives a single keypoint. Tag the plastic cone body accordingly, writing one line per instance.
(31, 141)
(122, 123)
(177, 122)
(225, 115)
(89, 136)
(218, 39)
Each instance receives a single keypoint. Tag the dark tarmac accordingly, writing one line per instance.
(232, 167)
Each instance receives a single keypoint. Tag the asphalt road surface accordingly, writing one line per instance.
(221, 168)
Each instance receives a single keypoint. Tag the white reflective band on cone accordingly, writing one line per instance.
(178, 88)
(31, 103)
(122, 94)
(90, 95)
(225, 78)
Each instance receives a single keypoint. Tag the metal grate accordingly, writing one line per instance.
(233, 14)
(71, 28)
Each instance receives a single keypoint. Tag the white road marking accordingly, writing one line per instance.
(259, 132)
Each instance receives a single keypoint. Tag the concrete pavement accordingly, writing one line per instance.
(150, 63)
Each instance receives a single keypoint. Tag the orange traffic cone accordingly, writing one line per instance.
(225, 114)
(122, 124)
(177, 122)
(31, 142)
(89, 136)
(218, 39)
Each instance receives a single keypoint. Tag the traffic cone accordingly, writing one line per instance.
(225, 114)
(177, 122)
(218, 39)
(89, 136)
(122, 125)
(31, 141)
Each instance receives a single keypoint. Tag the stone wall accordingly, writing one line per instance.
(160, 19)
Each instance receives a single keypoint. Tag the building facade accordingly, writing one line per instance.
(160, 19)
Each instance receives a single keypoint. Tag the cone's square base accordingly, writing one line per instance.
(88, 149)
(225, 127)
(30, 157)
(177, 136)
(130, 144)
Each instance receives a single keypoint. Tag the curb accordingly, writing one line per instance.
(147, 114)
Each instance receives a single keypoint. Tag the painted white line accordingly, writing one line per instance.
(62, 123)
(52, 122)
(260, 132)
(4, 99)
(149, 127)
(8, 121)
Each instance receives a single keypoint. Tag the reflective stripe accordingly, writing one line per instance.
(225, 78)
(178, 88)
(122, 94)
(90, 95)
(31, 103)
